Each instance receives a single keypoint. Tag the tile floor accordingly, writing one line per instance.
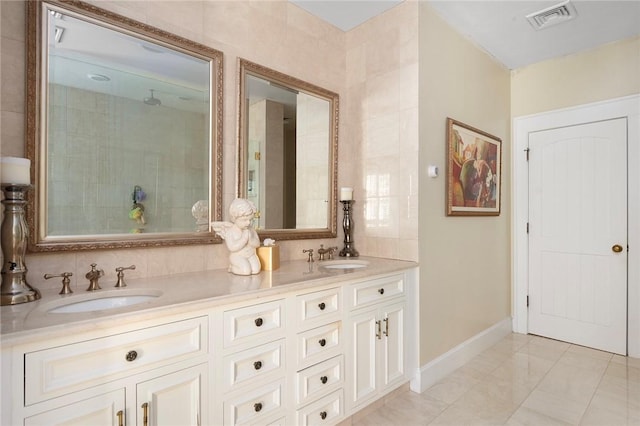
(523, 380)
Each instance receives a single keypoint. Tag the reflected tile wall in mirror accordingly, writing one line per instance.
(96, 158)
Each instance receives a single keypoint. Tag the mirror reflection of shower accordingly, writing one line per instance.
(151, 100)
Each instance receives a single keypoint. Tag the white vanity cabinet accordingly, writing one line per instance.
(160, 371)
(251, 352)
(312, 353)
(319, 372)
(376, 336)
(106, 409)
(174, 399)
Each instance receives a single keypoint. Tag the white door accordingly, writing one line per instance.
(578, 234)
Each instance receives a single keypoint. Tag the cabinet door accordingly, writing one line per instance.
(174, 399)
(362, 371)
(107, 409)
(392, 344)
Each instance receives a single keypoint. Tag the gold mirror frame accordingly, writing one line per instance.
(247, 68)
(36, 135)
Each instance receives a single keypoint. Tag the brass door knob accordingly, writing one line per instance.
(617, 248)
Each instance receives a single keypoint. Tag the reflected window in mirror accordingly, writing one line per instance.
(124, 130)
(288, 153)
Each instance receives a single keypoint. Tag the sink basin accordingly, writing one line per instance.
(344, 264)
(102, 301)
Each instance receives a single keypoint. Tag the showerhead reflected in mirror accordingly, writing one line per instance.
(288, 153)
(151, 100)
(122, 106)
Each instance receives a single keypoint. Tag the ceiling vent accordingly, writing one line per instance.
(553, 15)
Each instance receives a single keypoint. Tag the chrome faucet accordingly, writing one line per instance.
(328, 251)
(322, 251)
(93, 275)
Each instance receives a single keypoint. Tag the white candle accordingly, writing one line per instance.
(15, 170)
(346, 194)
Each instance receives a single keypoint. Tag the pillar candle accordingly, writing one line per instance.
(15, 170)
(346, 194)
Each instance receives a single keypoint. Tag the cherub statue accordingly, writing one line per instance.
(240, 237)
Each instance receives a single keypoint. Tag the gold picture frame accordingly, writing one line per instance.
(474, 171)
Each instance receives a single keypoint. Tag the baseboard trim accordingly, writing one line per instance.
(448, 362)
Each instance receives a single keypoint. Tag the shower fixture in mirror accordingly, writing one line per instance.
(288, 153)
(124, 129)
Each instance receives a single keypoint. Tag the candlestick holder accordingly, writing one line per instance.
(347, 226)
(15, 289)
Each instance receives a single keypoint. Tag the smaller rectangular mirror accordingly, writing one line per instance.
(288, 143)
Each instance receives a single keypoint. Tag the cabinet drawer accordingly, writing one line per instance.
(246, 366)
(374, 291)
(318, 344)
(317, 308)
(325, 411)
(245, 324)
(319, 379)
(57, 371)
(256, 406)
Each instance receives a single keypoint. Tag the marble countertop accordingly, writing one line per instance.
(178, 293)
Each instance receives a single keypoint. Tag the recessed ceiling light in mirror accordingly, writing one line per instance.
(98, 77)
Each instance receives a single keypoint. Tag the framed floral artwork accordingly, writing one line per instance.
(474, 163)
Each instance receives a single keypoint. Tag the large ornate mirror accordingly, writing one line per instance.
(124, 131)
(288, 142)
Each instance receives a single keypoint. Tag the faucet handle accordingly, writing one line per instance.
(120, 270)
(330, 250)
(310, 251)
(66, 288)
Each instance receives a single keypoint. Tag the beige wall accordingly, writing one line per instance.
(464, 261)
(608, 72)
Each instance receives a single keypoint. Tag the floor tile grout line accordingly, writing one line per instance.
(485, 376)
(595, 391)
(540, 380)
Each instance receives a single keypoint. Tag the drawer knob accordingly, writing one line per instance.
(323, 415)
(258, 322)
(257, 365)
(322, 342)
(257, 406)
(381, 291)
(322, 306)
(131, 356)
(324, 379)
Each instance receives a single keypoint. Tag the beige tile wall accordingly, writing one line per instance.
(313, 163)
(91, 182)
(381, 104)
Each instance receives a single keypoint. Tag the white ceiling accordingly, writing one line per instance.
(501, 27)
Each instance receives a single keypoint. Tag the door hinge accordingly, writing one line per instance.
(527, 300)
(527, 153)
(527, 227)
